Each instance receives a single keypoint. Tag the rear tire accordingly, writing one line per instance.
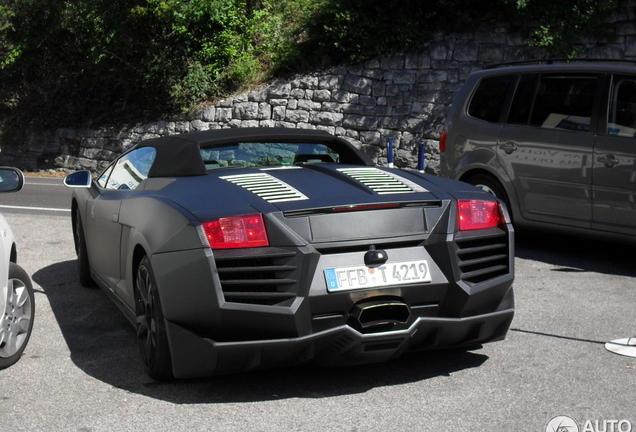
(491, 185)
(151, 330)
(17, 317)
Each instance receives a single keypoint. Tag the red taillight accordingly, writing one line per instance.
(478, 214)
(442, 142)
(236, 232)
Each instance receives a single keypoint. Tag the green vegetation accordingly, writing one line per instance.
(71, 63)
(559, 25)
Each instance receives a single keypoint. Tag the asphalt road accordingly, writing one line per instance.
(81, 370)
(39, 195)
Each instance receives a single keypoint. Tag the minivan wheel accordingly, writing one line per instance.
(491, 185)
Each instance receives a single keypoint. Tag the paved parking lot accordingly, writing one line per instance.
(81, 370)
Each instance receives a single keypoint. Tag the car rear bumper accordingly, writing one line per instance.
(193, 355)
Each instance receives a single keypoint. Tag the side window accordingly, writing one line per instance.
(101, 181)
(564, 102)
(129, 170)
(489, 98)
(522, 102)
(622, 112)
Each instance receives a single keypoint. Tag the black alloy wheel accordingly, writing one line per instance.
(83, 266)
(151, 331)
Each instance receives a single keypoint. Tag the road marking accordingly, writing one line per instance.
(34, 208)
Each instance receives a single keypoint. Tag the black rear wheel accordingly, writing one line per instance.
(83, 266)
(151, 331)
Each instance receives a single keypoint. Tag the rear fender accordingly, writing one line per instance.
(156, 226)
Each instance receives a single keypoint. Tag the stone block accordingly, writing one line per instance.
(395, 62)
(279, 91)
(199, 125)
(326, 118)
(331, 82)
(245, 110)
(322, 95)
(378, 111)
(342, 96)
(208, 114)
(367, 100)
(405, 77)
(359, 122)
(296, 116)
(309, 105)
(466, 51)
(358, 84)
(223, 115)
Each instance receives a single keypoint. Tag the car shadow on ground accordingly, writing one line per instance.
(102, 344)
(576, 254)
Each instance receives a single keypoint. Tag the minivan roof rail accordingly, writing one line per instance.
(558, 60)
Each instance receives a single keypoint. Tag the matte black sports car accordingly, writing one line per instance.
(242, 248)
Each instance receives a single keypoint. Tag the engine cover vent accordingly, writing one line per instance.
(267, 187)
(382, 182)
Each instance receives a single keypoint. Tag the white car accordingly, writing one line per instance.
(17, 301)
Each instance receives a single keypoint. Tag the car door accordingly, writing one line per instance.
(103, 239)
(547, 143)
(614, 184)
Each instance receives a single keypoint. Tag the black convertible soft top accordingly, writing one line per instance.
(180, 156)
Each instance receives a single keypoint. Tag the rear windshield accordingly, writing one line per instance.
(267, 154)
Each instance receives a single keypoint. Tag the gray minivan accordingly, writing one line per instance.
(555, 142)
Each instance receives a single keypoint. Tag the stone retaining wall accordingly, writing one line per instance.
(404, 96)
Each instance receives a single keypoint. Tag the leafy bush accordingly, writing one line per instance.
(559, 25)
(353, 31)
(92, 62)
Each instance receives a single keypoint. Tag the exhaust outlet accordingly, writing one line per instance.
(381, 313)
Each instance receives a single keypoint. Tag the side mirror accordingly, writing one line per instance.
(79, 179)
(11, 179)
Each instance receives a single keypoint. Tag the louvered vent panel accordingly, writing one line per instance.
(267, 187)
(265, 276)
(382, 182)
(485, 257)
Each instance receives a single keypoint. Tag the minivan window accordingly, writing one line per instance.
(622, 112)
(489, 98)
(564, 102)
(522, 102)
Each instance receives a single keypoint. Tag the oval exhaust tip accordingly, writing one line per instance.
(381, 313)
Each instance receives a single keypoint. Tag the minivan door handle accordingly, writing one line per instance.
(508, 147)
(608, 160)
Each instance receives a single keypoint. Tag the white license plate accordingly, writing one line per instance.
(399, 273)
